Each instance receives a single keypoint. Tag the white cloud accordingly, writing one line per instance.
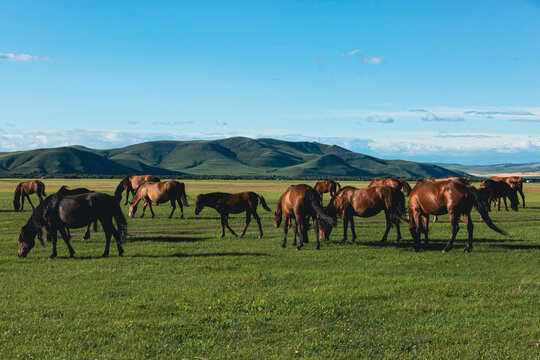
(380, 119)
(432, 117)
(351, 53)
(20, 57)
(372, 60)
(221, 122)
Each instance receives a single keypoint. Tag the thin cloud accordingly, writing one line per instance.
(351, 53)
(527, 120)
(432, 117)
(380, 119)
(20, 57)
(372, 60)
(221, 122)
(512, 113)
(418, 110)
(131, 122)
(443, 135)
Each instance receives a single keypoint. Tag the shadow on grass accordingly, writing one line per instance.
(181, 255)
(517, 247)
(166, 238)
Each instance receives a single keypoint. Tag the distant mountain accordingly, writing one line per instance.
(236, 156)
(526, 169)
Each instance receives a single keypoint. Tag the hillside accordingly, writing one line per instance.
(527, 169)
(236, 156)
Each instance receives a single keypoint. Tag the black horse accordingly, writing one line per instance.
(58, 212)
(64, 191)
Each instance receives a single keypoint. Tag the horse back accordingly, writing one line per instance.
(80, 210)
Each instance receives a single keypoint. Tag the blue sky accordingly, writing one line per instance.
(455, 81)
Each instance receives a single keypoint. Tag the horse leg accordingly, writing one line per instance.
(222, 226)
(296, 234)
(300, 227)
(388, 226)
(415, 227)
(22, 203)
(173, 208)
(30, 201)
(454, 220)
(426, 228)
(505, 205)
(435, 219)
(149, 202)
(353, 232)
(66, 240)
(143, 210)
(316, 226)
(127, 196)
(470, 228)
(286, 225)
(248, 220)
(522, 196)
(181, 208)
(107, 230)
(258, 219)
(228, 227)
(54, 237)
(345, 224)
(86, 235)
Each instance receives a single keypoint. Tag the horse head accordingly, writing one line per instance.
(278, 217)
(199, 204)
(26, 241)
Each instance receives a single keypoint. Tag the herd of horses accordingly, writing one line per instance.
(77, 208)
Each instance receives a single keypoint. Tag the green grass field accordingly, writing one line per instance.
(181, 292)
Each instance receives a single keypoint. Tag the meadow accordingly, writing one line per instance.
(180, 292)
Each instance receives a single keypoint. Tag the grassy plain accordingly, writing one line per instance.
(180, 292)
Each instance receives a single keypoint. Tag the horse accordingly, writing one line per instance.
(160, 192)
(131, 183)
(441, 197)
(396, 183)
(329, 186)
(368, 202)
(58, 212)
(501, 189)
(225, 204)
(515, 182)
(300, 202)
(64, 191)
(461, 179)
(26, 188)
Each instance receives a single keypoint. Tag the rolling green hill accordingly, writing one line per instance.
(236, 156)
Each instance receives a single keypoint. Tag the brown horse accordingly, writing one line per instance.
(300, 202)
(327, 186)
(226, 204)
(441, 197)
(368, 202)
(462, 180)
(26, 188)
(515, 182)
(131, 183)
(396, 183)
(501, 189)
(160, 192)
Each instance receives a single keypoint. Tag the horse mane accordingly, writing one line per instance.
(124, 184)
(36, 220)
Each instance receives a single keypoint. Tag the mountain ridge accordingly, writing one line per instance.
(236, 156)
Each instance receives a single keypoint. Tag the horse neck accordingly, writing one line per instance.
(17, 192)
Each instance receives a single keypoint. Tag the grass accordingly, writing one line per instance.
(180, 292)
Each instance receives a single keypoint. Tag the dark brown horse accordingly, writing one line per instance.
(445, 197)
(327, 186)
(159, 193)
(501, 189)
(300, 202)
(64, 191)
(226, 204)
(515, 182)
(131, 183)
(350, 202)
(26, 188)
(460, 179)
(57, 213)
(396, 183)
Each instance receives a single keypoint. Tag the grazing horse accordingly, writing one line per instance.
(26, 188)
(160, 192)
(64, 191)
(226, 204)
(515, 182)
(396, 183)
(368, 202)
(441, 197)
(327, 186)
(57, 213)
(501, 189)
(131, 183)
(460, 179)
(300, 202)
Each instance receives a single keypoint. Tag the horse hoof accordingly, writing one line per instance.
(468, 250)
(283, 246)
(298, 248)
(104, 255)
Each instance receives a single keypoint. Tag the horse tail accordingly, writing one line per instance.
(397, 209)
(263, 203)
(120, 222)
(483, 211)
(407, 187)
(17, 192)
(314, 199)
(183, 195)
(41, 189)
